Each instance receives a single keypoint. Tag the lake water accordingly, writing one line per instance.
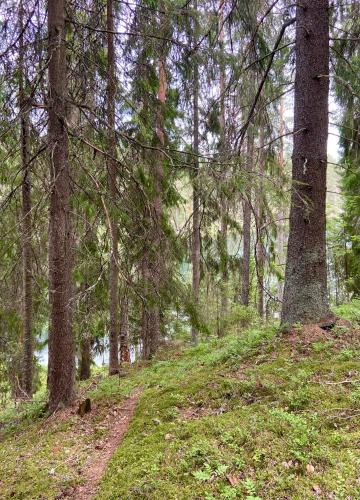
(100, 359)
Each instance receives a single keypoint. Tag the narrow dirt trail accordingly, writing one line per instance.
(95, 465)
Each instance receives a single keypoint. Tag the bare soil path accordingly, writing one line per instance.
(95, 465)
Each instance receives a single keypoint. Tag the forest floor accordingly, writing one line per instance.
(259, 414)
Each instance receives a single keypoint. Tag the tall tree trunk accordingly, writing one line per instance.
(260, 250)
(245, 283)
(223, 198)
(27, 368)
(111, 172)
(196, 235)
(305, 292)
(61, 368)
(124, 329)
(281, 215)
(154, 268)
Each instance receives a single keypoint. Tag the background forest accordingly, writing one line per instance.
(176, 175)
(180, 249)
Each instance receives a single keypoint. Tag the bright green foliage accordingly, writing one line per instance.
(350, 311)
(347, 87)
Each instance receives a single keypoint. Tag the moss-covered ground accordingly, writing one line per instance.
(253, 415)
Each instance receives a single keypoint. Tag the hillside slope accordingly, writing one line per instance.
(257, 415)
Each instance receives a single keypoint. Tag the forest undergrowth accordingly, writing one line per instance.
(258, 414)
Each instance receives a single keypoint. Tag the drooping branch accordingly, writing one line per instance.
(262, 83)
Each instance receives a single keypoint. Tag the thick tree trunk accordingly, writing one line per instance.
(61, 369)
(305, 292)
(245, 283)
(27, 367)
(223, 199)
(196, 235)
(260, 250)
(112, 175)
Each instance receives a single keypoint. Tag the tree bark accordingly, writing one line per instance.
(153, 263)
(112, 175)
(281, 215)
(124, 330)
(85, 357)
(196, 235)
(28, 348)
(305, 292)
(61, 368)
(223, 199)
(245, 283)
(146, 331)
(260, 249)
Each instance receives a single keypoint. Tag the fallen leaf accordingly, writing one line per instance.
(310, 469)
(233, 479)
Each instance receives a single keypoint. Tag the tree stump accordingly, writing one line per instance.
(84, 407)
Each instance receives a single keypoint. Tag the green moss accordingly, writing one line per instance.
(247, 408)
(350, 311)
(247, 416)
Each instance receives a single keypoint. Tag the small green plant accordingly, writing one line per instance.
(321, 346)
(204, 474)
(239, 462)
(298, 400)
(229, 492)
(355, 396)
(347, 355)
(171, 414)
(250, 489)
(208, 472)
(259, 457)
